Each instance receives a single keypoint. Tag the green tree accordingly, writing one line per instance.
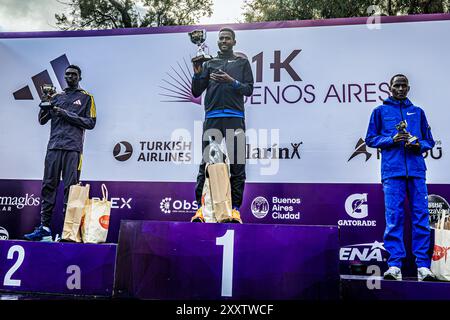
(111, 14)
(273, 10)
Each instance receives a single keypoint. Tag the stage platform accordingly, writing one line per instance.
(57, 267)
(370, 288)
(179, 260)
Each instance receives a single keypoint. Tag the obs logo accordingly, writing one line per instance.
(356, 206)
(165, 205)
(123, 151)
(4, 235)
(260, 207)
(169, 206)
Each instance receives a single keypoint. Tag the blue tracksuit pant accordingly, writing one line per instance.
(395, 191)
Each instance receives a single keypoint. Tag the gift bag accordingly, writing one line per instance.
(219, 180)
(96, 219)
(207, 206)
(440, 262)
(78, 195)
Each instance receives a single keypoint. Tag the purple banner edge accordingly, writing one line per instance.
(235, 26)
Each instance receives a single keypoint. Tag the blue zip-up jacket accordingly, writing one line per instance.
(396, 159)
(67, 131)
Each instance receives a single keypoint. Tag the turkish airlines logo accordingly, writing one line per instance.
(123, 151)
(439, 253)
(356, 205)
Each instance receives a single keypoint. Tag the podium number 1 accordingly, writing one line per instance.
(21, 255)
(227, 241)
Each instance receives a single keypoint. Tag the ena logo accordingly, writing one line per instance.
(356, 205)
(363, 252)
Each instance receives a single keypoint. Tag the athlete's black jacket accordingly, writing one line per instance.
(67, 130)
(221, 96)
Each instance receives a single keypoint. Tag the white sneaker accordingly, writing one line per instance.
(393, 273)
(425, 274)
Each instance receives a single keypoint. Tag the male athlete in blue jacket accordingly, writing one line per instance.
(73, 111)
(403, 173)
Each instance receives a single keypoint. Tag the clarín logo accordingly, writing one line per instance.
(123, 151)
(59, 66)
(177, 84)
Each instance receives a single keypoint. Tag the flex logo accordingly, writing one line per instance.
(277, 65)
(119, 203)
(59, 66)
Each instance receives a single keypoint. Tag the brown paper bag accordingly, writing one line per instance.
(96, 219)
(220, 187)
(78, 195)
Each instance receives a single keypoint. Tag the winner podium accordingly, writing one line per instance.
(179, 260)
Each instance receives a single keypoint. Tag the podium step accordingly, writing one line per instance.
(180, 260)
(58, 268)
(376, 288)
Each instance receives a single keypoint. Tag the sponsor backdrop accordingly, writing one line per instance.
(307, 163)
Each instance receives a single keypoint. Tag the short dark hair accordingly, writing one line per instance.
(229, 30)
(398, 75)
(75, 67)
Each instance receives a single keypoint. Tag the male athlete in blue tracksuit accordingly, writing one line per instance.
(403, 174)
(72, 112)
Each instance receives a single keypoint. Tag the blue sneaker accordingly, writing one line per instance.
(39, 234)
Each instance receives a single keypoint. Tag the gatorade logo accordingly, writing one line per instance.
(104, 221)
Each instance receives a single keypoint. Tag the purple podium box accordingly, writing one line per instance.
(181, 260)
(55, 267)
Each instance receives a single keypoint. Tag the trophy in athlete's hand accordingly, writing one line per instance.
(48, 91)
(401, 130)
(198, 37)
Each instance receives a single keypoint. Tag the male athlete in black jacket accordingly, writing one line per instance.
(227, 78)
(73, 111)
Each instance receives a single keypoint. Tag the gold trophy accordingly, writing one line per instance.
(401, 128)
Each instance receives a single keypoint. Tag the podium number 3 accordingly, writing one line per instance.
(227, 241)
(21, 255)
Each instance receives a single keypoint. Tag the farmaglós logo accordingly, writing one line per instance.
(4, 235)
(7, 202)
(170, 206)
(123, 151)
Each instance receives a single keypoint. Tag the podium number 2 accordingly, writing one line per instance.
(21, 255)
(227, 241)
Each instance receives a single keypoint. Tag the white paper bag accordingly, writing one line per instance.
(440, 262)
(96, 219)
